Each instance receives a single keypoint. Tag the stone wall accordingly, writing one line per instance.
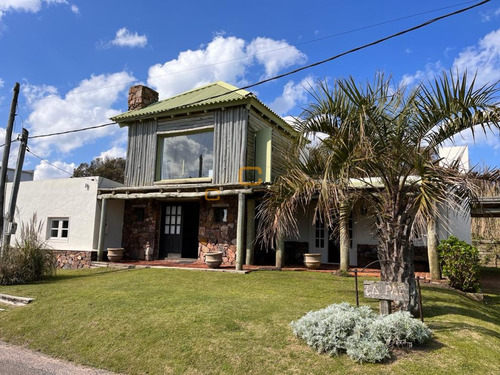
(141, 230)
(67, 259)
(218, 236)
(489, 252)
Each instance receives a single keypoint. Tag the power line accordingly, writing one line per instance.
(48, 162)
(305, 67)
(72, 131)
(288, 46)
(378, 41)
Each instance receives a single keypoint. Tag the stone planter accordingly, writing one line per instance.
(115, 254)
(214, 259)
(312, 260)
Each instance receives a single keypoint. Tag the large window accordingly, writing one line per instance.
(187, 155)
(59, 228)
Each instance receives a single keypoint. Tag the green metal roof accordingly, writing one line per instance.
(210, 96)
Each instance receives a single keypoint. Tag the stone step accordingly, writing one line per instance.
(15, 300)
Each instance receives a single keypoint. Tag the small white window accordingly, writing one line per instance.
(59, 228)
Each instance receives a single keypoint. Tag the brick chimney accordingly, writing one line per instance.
(140, 96)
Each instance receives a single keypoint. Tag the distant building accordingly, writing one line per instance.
(25, 175)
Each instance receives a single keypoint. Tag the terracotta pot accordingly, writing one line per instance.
(115, 254)
(312, 260)
(213, 260)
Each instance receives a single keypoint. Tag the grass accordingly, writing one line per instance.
(161, 321)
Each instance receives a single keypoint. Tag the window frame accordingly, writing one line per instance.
(160, 137)
(60, 229)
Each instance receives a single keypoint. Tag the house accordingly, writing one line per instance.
(70, 216)
(198, 162)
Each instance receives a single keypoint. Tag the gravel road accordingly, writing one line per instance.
(15, 360)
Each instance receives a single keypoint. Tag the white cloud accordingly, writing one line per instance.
(87, 105)
(75, 9)
(114, 152)
(125, 38)
(224, 58)
(275, 54)
(31, 6)
(58, 169)
(483, 58)
(431, 71)
(293, 95)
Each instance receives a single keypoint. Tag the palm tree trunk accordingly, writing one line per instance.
(395, 253)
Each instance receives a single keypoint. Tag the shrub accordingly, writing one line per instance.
(28, 260)
(460, 263)
(359, 332)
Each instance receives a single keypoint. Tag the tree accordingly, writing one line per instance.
(379, 144)
(112, 168)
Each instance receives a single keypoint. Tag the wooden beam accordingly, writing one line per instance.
(210, 195)
(240, 229)
(250, 231)
(102, 230)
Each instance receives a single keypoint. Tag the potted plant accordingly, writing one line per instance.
(213, 259)
(115, 254)
(312, 260)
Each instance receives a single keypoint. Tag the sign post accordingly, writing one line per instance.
(386, 292)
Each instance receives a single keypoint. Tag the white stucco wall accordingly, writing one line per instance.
(72, 198)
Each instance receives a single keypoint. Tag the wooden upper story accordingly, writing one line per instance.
(215, 134)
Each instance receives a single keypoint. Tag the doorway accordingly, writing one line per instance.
(179, 231)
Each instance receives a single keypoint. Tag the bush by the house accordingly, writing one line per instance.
(364, 335)
(28, 260)
(460, 263)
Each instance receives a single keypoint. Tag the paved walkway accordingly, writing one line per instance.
(194, 264)
(16, 360)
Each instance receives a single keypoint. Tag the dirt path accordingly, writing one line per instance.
(15, 360)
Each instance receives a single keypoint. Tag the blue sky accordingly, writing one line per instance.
(75, 60)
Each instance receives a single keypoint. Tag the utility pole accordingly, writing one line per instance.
(5, 159)
(11, 226)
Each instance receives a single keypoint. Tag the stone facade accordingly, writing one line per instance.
(218, 236)
(489, 252)
(74, 259)
(141, 228)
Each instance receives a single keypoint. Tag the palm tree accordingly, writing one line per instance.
(379, 144)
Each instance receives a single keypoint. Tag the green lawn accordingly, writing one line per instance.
(161, 321)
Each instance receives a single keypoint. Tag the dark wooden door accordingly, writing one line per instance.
(180, 230)
(172, 230)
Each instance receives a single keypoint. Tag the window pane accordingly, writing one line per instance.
(53, 233)
(173, 210)
(167, 229)
(64, 233)
(178, 219)
(178, 229)
(179, 208)
(167, 210)
(167, 220)
(185, 156)
(55, 224)
(65, 224)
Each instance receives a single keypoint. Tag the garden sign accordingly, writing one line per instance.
(386, 292)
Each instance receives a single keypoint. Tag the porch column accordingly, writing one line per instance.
(344, 236)
(280, 252)
(240, 229)
(250, 231)
(102, 229)
(432, 252)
